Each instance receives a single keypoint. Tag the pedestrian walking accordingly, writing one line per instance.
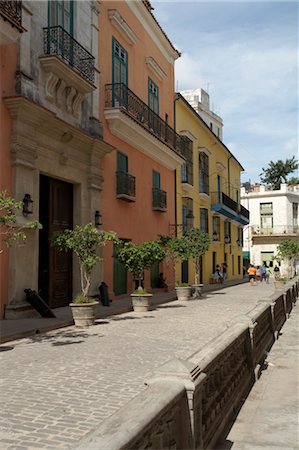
(264, 271)
(276, 272)
(218, 275)
(258, 274)
(224, 270)
(251, 272)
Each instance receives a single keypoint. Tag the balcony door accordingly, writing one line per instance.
(119, 74)
(61, 13)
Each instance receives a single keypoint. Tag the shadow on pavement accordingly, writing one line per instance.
(6, 348)
(61, 338)
(131, 318)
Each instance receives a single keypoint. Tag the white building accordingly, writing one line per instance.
(273, 217)
(200, 101)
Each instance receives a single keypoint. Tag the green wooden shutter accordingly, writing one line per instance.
(122, 162)
(156, 179)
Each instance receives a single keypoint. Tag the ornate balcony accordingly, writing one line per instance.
(69, 69)
(10, 21)
(159, 201)
(125, 186)
(223, 204)
(131, 120)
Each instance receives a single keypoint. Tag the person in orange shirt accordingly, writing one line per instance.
(251, 271)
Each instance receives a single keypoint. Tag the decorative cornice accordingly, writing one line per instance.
(122, 27)
(154, 30)
(188, 134)
(154, 67)
(39, 119)
(204, 150)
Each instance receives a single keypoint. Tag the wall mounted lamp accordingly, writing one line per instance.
(98, 218)
(27, 205)
(227, 240)
(215, 236)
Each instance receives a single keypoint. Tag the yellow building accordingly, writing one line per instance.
(208, 188)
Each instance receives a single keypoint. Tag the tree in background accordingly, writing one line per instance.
(277, 172)
(288, 250)
(293, 180)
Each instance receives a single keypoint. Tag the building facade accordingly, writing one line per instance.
(199, 99)
(273, 217)
(208, 186)
(137, 82)
(53, 146)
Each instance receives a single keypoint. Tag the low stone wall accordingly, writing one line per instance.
(190, 404)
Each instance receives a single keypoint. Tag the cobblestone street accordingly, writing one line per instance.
(57, 387)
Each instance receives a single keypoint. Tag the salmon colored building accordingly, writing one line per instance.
(136, 109)
(10, 31)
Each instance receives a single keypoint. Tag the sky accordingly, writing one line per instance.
(245, 53)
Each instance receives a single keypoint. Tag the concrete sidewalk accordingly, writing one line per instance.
(16, 329)
(269, 418)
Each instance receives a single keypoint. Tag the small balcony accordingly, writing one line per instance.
(132, 120)
(60, 43)
(125, 186)
(69, 70)
(223, 204)
(159, 201)
(10, 21)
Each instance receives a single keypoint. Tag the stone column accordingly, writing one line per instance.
(23, 262)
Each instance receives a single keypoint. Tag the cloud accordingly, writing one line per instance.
(246, 55)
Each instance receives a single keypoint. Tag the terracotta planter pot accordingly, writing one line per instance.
(183, 293)
(141, 303)
(83, 313)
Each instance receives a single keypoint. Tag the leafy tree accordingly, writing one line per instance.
(198, 242)
(85, 242)
(293, 180)
(288, 249)
(177, 249)
(9, 230)
(139, 257)
(276, 173)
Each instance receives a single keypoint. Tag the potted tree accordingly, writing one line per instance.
(198, 242)
(137, 258)
(177, 249)
(85, 241)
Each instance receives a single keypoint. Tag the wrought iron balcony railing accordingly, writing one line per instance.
(118, 95)
(275, 230)
(12, 11)
(60, 43)
(244, 212)
(159, 199)
(125, 185)
(225, 205)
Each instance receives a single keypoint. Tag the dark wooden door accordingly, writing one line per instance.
(55, 267)
(60, 262)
